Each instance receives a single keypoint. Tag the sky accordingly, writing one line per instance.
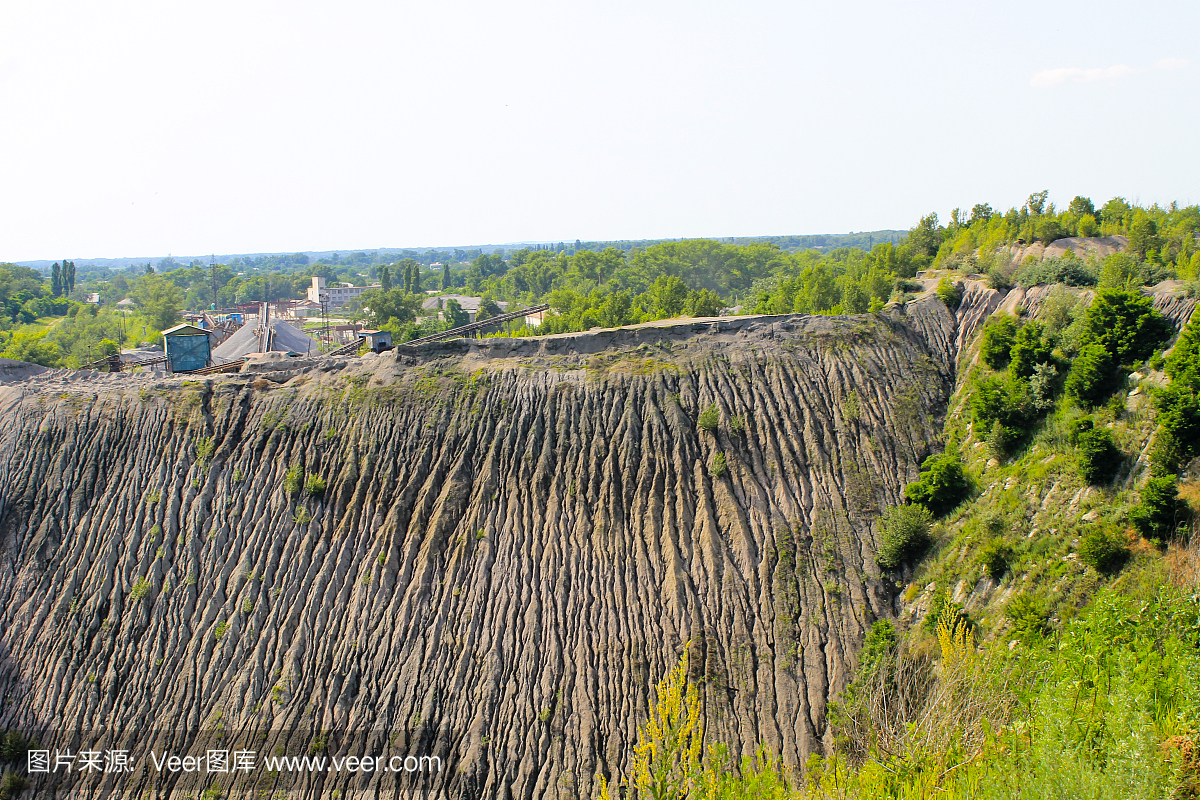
(153, 128)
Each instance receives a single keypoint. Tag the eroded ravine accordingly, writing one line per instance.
(516, 539)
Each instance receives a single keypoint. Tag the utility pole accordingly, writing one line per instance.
(212, 266)
(325, 313)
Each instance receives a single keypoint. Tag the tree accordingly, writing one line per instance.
(68, 277)
(159, 299)
(487, 309)
(1091, 377)
(1161, 511)
(905, 535)
(445, 277)
(997, 341)
(703, 303)
(982, 212)
(1143, 235)
(456, 317)
(926, 237)
(1178, 405)
(32, 347)
(1029, 349)
(1081, 206)
(616, 310)
(667, 296)
(393, 307)
(1037, 203)
(1125, 324)
(942, 484)
(385, 278)
(1049, 230)
(1098, 456)
(1087, 226)
(56, 280)
(1114, 212)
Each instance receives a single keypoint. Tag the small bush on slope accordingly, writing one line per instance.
(905, 535)
(1092, 376)
(942, 484)
(1103, 549)
(997, 341)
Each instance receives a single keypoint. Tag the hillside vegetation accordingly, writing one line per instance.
(1047, 639)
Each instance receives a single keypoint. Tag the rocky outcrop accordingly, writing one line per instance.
(1081, 246)
(499, 544)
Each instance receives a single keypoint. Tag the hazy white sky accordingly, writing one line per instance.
(147, 128)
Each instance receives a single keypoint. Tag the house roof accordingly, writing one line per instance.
(184, 330)
(467, 302)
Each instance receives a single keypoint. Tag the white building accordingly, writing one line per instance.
(337, 296)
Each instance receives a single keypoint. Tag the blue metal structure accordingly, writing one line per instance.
(187, 348)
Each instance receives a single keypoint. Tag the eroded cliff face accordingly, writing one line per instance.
(515, 540)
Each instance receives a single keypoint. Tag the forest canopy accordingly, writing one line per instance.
(610, 284)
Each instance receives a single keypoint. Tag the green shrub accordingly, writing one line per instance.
(14, 748)
(998, 280)
(878, 644)
(1003, 440)
(12, 785)
(1028, 350)
(315, 486)
(851, 408)
(1070, 271)
(1103, 548)
(1178, 438)
(221, 629)
(718, 467)
(1126, 325)
(737, 424)
(994, 558)
(1028, 617)
(942, 484)
(301, 516)
(292, 479)
(1009, 401)
(1043, 387)
(205, 447)
(709, 418)
(1160, 511)
(905, 535)
(141, 589)
(997, 341)
(1098, 458)
(1091, 378)
(950, 293)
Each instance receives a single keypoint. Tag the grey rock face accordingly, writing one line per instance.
(514, 541)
